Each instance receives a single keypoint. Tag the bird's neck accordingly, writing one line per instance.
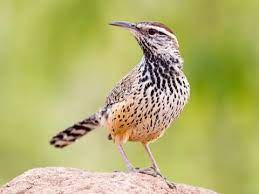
(160, 72)
(170, 60)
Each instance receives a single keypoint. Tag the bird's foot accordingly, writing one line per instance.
(148, 171)
(171, 185)
(154, 172)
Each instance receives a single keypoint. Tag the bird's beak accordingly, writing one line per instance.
(127, 25)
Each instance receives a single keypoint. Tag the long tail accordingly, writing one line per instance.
(74, 132)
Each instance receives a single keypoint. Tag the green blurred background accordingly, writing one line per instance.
(59, 59)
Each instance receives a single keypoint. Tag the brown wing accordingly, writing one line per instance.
(124, 88)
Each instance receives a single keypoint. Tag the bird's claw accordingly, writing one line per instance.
(148, 171)
(154, 172)
(171, 185)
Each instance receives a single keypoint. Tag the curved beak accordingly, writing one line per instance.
(122, 24)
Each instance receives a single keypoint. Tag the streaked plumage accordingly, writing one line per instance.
(147, 100)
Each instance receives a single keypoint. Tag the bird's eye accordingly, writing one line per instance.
(151, 31)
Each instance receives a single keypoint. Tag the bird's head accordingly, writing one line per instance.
(153, 37)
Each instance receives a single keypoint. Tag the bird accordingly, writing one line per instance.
(146, 101)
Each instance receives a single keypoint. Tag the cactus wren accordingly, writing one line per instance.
(144, 103)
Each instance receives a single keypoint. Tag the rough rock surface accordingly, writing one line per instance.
(58, 180)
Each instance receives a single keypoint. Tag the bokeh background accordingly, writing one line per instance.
(59, 59)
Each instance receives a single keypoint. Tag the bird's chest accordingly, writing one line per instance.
(148, 111)
(159, 107)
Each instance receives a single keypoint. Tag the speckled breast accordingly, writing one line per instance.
(146, 114)
(159, 109)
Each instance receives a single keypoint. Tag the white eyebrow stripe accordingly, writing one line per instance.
(163, 30)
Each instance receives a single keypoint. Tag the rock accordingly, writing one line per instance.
(58, 180)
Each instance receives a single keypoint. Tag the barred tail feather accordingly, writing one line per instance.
(74, 132)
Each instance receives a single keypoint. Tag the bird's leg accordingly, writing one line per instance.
(125, 158)
(151, 157)
(154, 169)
